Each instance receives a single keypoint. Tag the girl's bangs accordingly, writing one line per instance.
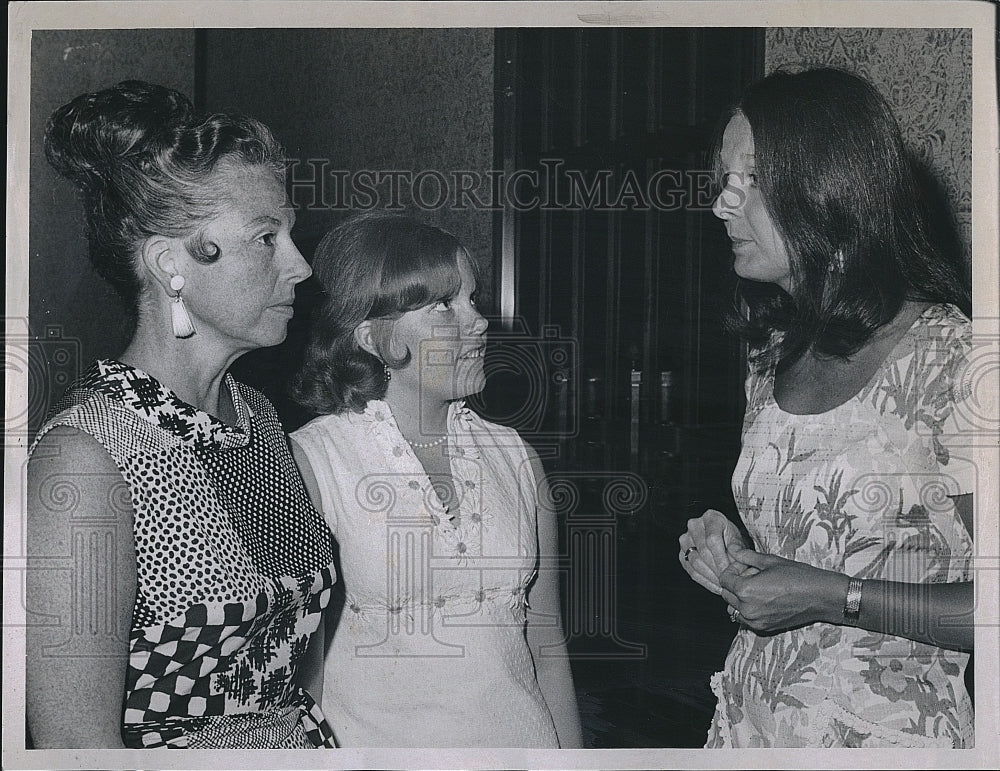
(421, 278)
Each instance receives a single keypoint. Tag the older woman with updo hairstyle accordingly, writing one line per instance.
(219, 567)
(449, 635)
(854, 597)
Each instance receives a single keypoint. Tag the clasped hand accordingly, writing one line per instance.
(770, 593)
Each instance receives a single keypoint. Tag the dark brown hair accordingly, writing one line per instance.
(836, 177)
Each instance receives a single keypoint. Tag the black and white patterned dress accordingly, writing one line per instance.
(233, 563)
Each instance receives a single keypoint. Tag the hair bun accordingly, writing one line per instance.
(87, 139)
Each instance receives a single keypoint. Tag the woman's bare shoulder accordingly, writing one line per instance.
(68, 445)
(68, 465)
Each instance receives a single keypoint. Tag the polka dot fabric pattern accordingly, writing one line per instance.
(184, 538)
(234, 565)
(275, 544)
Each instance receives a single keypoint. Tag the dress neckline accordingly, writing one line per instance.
(152, 401)
(932, 312)
(459, 449)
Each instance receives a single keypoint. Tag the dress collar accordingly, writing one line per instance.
(157, 404)
(462, 451)
(459, 415)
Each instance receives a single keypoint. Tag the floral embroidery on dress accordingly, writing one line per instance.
(518, 602)
(460, 531)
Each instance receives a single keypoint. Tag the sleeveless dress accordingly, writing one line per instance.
(233, 565)
(862, 490)
(430, 648)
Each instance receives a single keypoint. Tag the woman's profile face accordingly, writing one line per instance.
(244, 299)
(446, 340)
(759, 251)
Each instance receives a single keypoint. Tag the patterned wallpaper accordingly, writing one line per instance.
(927, 76)
(428, 107)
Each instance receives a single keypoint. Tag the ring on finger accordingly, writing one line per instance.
(687, 552)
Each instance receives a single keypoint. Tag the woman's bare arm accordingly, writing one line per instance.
(781, 594)
(77, 521)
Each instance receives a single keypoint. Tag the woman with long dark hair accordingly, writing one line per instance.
(854, 598)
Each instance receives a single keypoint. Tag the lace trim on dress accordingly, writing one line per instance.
(822, 732)
(721, 722)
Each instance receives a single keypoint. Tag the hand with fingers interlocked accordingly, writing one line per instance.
(764, 592)
(707, 548)
(769, 593)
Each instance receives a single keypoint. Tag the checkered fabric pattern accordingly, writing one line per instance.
(228, 668)
(234, 565)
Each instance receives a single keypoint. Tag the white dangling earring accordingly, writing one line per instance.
(180, 319)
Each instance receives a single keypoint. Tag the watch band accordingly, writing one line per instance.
(852, 603)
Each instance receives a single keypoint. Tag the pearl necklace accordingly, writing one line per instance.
(426, 445)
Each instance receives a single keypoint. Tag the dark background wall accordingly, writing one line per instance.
(66, 297)
(356, 99)
(361, 99)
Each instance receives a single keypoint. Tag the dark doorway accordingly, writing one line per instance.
(611, 273)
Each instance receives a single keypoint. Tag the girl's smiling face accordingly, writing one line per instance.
(446, 340)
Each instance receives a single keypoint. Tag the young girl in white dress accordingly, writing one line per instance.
(450, 631)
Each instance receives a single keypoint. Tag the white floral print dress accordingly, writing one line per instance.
(429, 649)
(862, 490)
